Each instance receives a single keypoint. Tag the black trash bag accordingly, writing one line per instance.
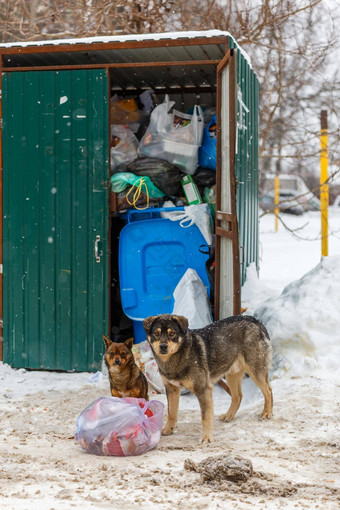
(122, 331)
(164, 175)
(131, 198)
(204, 177)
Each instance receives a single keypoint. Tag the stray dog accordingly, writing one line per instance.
(196, 359)
(126, 380)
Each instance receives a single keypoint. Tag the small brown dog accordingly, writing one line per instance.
(126, 380)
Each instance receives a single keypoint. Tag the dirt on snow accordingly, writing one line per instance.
(294, 457)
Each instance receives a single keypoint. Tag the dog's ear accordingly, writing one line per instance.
(148, 322)
(107, 342)
(183, 322)
(129, 343)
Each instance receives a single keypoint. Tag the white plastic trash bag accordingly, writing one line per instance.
(120, 426)
(193, 214)
(124, 145)
(175, 137)
(191, 300)
(153, 376)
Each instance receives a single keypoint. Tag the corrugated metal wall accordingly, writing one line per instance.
(55, 155)
(246, 162)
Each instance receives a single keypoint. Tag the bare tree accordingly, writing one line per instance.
(289, 42)
(293, 86)
(47, 19)
(291, 45)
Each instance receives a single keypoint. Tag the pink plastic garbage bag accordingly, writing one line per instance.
(120, 426)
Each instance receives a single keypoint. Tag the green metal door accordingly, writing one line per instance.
(246, 161)
(55, 164)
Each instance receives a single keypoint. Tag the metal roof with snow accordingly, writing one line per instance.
(184, 60)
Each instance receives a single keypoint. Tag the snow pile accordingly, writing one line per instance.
(304, 322)
(15, 383)
(255, 291)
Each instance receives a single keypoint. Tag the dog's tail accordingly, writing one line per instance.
(268, 345)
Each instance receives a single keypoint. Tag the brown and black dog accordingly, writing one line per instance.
(126, 379)
(196, 359)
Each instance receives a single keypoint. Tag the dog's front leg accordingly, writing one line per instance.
(205, 400)
(173, 394)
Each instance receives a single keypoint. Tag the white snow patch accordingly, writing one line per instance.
(304, 321)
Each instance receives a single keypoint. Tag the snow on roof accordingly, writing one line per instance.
(128, 38)
(120, 38)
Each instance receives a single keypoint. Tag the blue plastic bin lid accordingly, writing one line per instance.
(154, 254)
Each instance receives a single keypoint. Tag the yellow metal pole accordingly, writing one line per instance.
(323, 183)
(276, 201)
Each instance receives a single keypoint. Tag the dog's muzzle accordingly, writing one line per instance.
(117, 361)
(163, 348)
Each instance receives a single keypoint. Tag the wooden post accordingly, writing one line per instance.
(323, 183)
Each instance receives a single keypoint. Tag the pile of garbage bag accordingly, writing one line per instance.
(120, 426)
(161, 145)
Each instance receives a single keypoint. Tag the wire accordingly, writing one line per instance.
(138, 190)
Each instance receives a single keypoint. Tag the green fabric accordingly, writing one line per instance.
(121, 180)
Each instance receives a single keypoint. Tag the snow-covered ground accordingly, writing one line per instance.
(296, 455)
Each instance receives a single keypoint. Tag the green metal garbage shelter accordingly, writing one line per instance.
(56, 208)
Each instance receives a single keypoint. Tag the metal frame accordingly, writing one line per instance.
(109, 212)
(113, 66)
(231, 232)
(117, 45)
(1, 222)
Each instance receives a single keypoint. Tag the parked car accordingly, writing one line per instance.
(287, 203)
(291, 186)
(309, 202)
